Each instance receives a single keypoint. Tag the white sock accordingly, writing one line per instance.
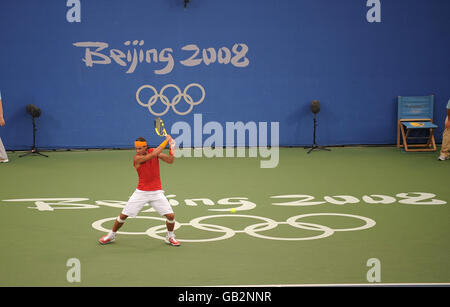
(170, 234)
(111, 234)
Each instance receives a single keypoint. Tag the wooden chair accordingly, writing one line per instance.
(415, 113)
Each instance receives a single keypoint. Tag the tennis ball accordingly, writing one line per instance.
(233, 210)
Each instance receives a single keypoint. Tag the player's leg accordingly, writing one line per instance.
(111, 236)
(170, 224)
(131, 209)
(162, 206)
(119, 222)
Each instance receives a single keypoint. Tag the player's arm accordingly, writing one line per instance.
(167, 158)
(141, 159)
(171, 157)
(147, 156)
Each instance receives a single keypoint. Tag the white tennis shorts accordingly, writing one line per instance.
(156, 199)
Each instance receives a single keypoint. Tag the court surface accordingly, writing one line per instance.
(354, 215)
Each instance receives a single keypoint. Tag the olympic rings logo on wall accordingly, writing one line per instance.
(170, 103)
(254, 230)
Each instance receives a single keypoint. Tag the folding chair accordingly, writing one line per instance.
(415, 113)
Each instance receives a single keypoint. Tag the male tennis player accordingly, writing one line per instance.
(146, 163)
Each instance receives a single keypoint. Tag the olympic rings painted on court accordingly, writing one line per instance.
(252, 230)
(170, 103)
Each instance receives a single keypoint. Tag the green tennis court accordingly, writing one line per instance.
(323, 218)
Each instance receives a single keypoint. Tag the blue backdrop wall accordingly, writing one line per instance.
(92, 65)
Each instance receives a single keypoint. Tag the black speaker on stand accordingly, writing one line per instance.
(35, 112)
(315, 108)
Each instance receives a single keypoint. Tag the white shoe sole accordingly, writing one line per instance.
(110, 241)
(168, 243)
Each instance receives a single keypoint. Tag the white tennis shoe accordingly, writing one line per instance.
(106, 239)
(172, 241)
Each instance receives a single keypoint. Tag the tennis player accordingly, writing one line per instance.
(146, 163)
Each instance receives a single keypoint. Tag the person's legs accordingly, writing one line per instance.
(119, 222)
(445, 149)
(170, 224)
(111, 236)
(3, 155)
(131, 209)
(158, 201)
(162, 206)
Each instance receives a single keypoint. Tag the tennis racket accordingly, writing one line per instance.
(159, 127)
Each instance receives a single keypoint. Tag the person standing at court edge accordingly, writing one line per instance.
(445, 149)
(3, 155)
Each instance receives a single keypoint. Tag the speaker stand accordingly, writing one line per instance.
(34, 150)
(314, 145)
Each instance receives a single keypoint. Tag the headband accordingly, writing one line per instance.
(140, 144)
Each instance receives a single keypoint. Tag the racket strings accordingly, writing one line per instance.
(159, 127)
